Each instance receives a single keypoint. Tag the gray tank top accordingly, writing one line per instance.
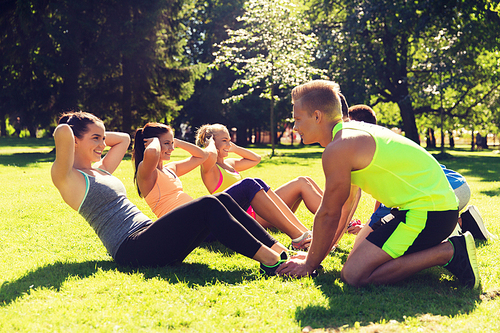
(109, 212)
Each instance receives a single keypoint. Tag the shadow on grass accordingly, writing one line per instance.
(25, 159)
(54, 275)
(26, 142)
(428, 292)
(486, 168)
(424, 293)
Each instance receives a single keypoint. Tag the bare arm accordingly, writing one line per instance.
(338, 200)
(209, 171)
(328, 216)
(66, 179)
(198, 156)
(146, 175)
(65, 154)
(119, 143)
(248, 158)
(347, 212)
(327, 220)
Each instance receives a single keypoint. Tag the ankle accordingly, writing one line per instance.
(448, 253)
(270, 262)
(303, 235)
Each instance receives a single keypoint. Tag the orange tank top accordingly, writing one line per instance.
(167, 193)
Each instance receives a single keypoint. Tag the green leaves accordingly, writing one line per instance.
(273, 46)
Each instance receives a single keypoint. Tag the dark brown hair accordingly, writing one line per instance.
(362, 112)
(150, 130)
(78, 121)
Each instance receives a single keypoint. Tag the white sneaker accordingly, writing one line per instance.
(472, 222)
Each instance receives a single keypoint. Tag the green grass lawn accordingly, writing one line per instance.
(56, 276)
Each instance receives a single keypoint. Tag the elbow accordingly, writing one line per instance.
(205, 156)
(151, 153)
(211, 157)
(62, 130)
(126, 138)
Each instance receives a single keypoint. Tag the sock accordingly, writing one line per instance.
(453, 256)
(298, 239)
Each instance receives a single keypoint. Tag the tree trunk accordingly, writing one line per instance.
(408, 116)
(127, 63)
(272, 120)
(431, 138)
(126, 96)
(242, 135)
(452, 140)
(71, 58)
(472, 141)
(3, 125)
(32, 129)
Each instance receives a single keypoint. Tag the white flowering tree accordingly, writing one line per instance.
(271, 52)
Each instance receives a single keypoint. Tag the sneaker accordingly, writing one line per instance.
(271, 270)
(303, 242)
(354, 223)
(464, 262)
(472, 222)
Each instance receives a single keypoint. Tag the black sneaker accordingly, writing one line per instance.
(472, 222)
(271, 270)
(464, 262)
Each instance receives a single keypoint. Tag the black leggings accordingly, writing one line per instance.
(173, 236)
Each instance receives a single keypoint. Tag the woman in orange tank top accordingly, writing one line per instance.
(159, 183)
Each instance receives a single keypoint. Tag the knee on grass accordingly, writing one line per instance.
(351, 278)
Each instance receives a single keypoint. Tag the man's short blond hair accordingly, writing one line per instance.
(319, 95)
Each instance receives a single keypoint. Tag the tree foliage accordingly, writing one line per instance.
(271, 52)
(435, 62)
(389, 49)
(121, 60)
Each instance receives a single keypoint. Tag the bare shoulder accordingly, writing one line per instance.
(350, 147)
(72, 187)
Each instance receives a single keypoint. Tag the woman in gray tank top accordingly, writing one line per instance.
(85, 182)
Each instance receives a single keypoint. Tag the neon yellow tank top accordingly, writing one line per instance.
(402, 174)
(226, 179)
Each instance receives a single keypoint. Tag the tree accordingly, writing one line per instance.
(205, 26)
(271, 52)
(455, 71)
(121, 60)
(374, 48)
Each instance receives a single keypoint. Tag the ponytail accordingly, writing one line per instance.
(207, 131)
(201, 135)
(138, 154)
(150, 130)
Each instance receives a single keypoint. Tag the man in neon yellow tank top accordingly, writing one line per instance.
(395, 171)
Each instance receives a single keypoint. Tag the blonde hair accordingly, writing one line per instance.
(319, 95)
(206, 131)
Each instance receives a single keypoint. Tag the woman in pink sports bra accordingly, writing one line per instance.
(218, 170)
(160, 186)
